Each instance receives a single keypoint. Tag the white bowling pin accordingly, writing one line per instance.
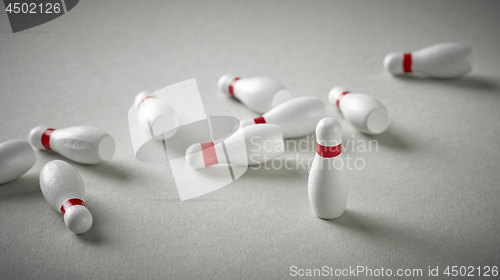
(83, 144)
(363, 111)
(327, 184)
(296, 117)
(63, 189)
(157, 113)
(445, 60)
(259, 94)
(16, 158)
(250, 145)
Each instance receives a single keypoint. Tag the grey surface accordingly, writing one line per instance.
(428, 197)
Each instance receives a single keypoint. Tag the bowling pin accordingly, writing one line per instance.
(445, 60)
(156, 113)
(63, 189)
(16, 158)
(83, 144)
(250, 145)
(296, 117)
(259, 94)
(363, 111)
(327, 184)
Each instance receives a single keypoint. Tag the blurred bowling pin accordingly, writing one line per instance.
(327, 184)
(296, 117)
(83, 144)
(259, 94)
(157, 113)
(363, 111)
(16, 158)
(63, 189)
(248, 146)
(445, 60)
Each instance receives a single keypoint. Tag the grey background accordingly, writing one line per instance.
(428, 197)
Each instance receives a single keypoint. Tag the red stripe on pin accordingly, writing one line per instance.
(150, 96)
(259, 120)
(328, 152)
(340, 96)
(407, 63)
(209, 155)
(231, 87)
(46, 138)
(71, 202)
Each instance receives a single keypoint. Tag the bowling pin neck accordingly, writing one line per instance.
(398, 63)
(76, 216)
(144, 99)
(336, 94)
(226, 84)
(248, 122)
(69, 203)
(140, 97)
(40, 137)
(328, 151)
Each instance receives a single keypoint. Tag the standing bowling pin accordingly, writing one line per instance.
(363, 111)
(157, 113)
(83, 144)
(327, 184)
(16, 158)
(248, 146)
(259, 94)
(296, 117)
(445, 60)
(63, 189)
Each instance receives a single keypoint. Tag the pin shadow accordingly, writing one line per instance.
(469, 81)
(380, 232)
(26, 185)
(95, 235)
(391, 139)
(106, 169)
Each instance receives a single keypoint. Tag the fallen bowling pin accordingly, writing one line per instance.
(16, 158)
(250, 145)
(156, 113)
(327, 184)
(63, 189)
(363, 111)
(83, 144)
(296, 117)
(259, 94)
(445, 60)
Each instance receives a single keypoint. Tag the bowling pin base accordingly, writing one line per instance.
(106, 148)
(331, 216)
(377, 122)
